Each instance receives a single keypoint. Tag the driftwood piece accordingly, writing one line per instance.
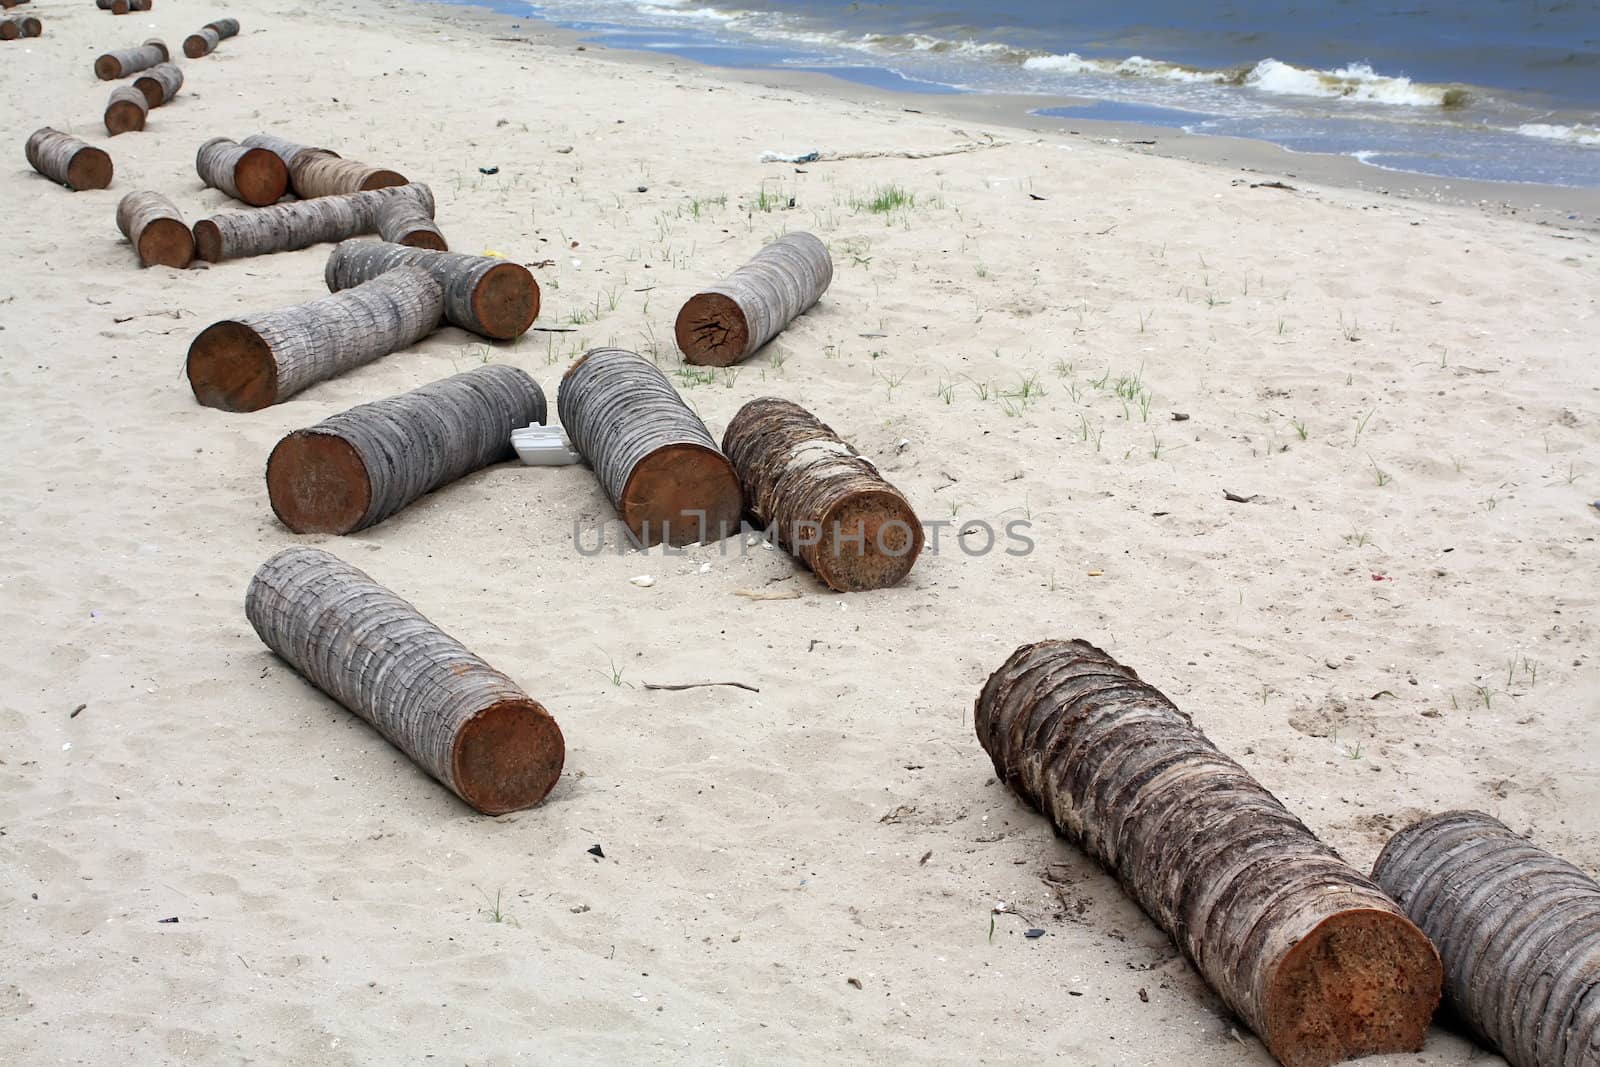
(18, 26)
(254, 175)
(315, 173)
(727, 322)
(156, 230)
(823, 502)
(361, 466)
(1517, 927)
(298, 224)
(466, 724)
(490, 297)
(120, 64)
(408, 220)
(126, 110)
(68, 161)
(255, 361)
(654, 457)
(160, 83)
(1305, 949)
(204, 41)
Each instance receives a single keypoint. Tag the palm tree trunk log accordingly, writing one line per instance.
(120, 64)
(160, 83)
(68, 161)
(298, 224)
(152, 224)
(315, 173)
(254, 175)
(490, 297)
(408, 220)
(727, 322)
(204, 42)
(126, 110)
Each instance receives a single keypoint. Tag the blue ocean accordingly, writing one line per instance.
(1503, 90)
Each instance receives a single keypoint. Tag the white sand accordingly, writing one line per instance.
(761, 850)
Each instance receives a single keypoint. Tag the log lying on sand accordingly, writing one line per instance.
(160, 83)
(1518, 928)
(466, 724)
(490, 297)
(822, 500)
(298, 224)
(408, 220)
(654, 457)
(254, 175)
(123, 7)
(1306, 950)
(120, 64)
(8, 4)
(67, 160)
(361, 466)
(18, 26)
(126, 110)
(727, 322)
(156, 230)
(252, 362)
(205, 41)
(317, 173)
(287, 151)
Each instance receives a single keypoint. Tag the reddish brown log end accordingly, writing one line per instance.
(506, 301)
(154, 94)
(261, 177)
(123, 116)
(90, 169)
(379, 179)
(430, 240)
(508, 757)
(868, 540)
(1362, 983)
(108, 68)
(712, 331)
(208, 241)
(230, 367)
(687, 492)
(318, 483)
(166, 243)
(10, 31)
(194, 46)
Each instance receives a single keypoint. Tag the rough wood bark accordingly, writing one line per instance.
(123, 7)
(156, 230)
(288, 151)
(18, 26)
(361, 466)
(254, 175)
(252, 362)
(67, 160)
(324, 174)
(126, 110)
(725, 323)
(491, 297)
(465, 723)
(408, 220)
(654, 457)
(204, 41)
(823, 502)
(297, 224)
(1518, 929)
(120, 64)
(160, 83)
(1306, 950)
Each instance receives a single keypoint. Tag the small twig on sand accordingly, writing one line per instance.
(701, 685)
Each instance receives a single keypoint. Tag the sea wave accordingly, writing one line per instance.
(677, 10)
(1571, 134)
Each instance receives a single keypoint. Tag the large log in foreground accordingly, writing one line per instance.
(490, 297)
(126, 110)
(727, 322)
(67, 160)
(466, 724)
(361, 466)
(120, 64)
(156, 230)
(254, 175)
(1306, 950)
(255, 361)
(654, 457)
(205, 40)
(822, 500)
(1518, 929)
(160, 83)
(299, 223)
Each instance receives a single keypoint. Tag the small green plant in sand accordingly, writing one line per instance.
(885, 200)
(494, 911)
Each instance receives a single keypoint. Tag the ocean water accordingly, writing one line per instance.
(1504, 90)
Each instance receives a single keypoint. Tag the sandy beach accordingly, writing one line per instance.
(1398, 615)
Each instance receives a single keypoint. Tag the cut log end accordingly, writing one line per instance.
(208, 241)
(682, 494)
(429, 239)
(261, 177)
(90, 169)
(1363, 982)
(317, 483)
(230, 367)
(869, 540)
(712, 330)
(166, 243)
(195, 46)
(381, 179)
(124, 116)
(506, 301)
(108, 68)
(508, 757)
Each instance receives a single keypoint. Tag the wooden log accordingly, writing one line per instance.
(19, 26)
(363, 465)
(204, 41)
(225, 28)
(297, 224)
(1306, 950)
(325, 174)
(124, 7)
(408, 220)
(287, 151)
(152, 224)
(254, 175)
(126, 61)
(490, 297)
(10, 29)
(126, 110)
(8, 4)
(725, 323)
(822, 501)
(469, 726)
(160, 83)
(1518, 929)
(67, 160)
(252, 362)
(654, 457)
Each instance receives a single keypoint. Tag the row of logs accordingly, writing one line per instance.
(205, 41)
(261, 169)
(19, 26)
(124, 7)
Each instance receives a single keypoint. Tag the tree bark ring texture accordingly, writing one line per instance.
(297, 224)
(729, 321)
(151, 223)
(68, 161)
(490, 297)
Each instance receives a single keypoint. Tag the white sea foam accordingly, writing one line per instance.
(674, 11)
(1358, 81)
(1571, 134)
